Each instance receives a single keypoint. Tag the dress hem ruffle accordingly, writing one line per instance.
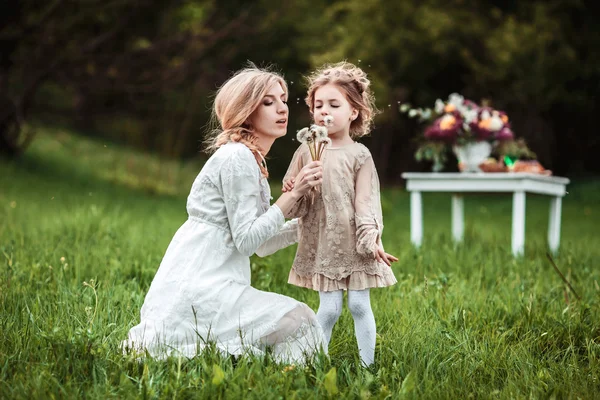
(358, 280)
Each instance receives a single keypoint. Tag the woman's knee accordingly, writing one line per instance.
(297, 321)
(304, 314)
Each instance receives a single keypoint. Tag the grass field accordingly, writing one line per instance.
(84, 225)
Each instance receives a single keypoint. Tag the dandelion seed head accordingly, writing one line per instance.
(302, 135)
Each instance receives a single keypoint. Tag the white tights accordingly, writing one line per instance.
(330, 309)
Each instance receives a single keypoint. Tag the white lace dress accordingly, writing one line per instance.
(201, 291)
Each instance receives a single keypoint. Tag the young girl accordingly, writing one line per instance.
(340, 227)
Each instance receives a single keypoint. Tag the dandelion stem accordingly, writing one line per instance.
(311, 146)
(562, 276)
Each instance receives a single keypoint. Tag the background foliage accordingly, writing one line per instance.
(142, 72)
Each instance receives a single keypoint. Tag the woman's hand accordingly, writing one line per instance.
(308, 177)
(382, 256)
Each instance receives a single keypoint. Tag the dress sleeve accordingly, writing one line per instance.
(301, 207)
(367, 206)
(286, 236)
(241, 191)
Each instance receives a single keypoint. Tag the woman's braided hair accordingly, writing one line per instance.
(234, 103)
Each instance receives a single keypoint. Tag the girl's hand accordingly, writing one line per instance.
(382, 256)
(308, 177)
(288, 185)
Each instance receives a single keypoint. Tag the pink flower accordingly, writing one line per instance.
(505, 134)
(471, 104)
(444, 128)
(487, 123)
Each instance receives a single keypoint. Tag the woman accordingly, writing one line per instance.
(201, 292)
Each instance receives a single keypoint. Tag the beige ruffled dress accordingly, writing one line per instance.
(340, 224)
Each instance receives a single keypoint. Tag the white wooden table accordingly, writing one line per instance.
(516, 183)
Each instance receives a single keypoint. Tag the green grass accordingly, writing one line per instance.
(83, 228)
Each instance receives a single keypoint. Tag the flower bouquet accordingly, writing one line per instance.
(315, 138)
(470, 130)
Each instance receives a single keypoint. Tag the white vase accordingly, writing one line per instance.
(472, 154)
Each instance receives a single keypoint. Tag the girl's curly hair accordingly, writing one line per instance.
(354, 83)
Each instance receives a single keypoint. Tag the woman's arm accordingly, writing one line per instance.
(300, 207)
(241, 190)
(240, 185)
(286, 236)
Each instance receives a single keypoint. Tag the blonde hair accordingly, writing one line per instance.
(234, 102)
(354, 83)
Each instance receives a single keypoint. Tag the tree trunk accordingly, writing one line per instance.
(9, 128)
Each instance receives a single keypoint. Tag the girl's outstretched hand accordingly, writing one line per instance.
(382, 256)
(288, 185)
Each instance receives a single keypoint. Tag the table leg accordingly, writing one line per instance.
(416, 218)
(458, 217)
(518, 223)
(554, 224)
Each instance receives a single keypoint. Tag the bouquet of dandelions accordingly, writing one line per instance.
(316, 138)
